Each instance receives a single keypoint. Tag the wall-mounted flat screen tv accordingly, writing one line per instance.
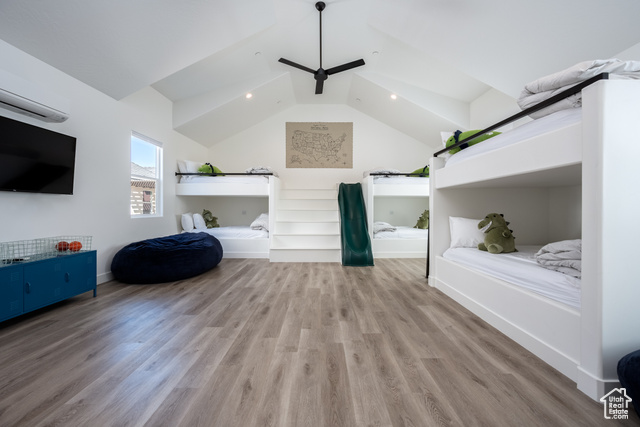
(35, 160)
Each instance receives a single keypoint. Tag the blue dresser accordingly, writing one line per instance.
(27, 286)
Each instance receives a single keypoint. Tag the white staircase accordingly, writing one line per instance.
(307, 226)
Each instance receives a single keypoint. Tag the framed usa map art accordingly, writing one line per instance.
(319, 145)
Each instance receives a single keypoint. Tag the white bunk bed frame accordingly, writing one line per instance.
(393, 248)
(600, 152)
(239, 247)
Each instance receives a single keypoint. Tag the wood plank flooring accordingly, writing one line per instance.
(253, 343)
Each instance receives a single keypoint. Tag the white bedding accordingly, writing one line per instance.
(526, 131)
(401, 232)
(233, 232)
(520, 268)
(233, 179)
(547, 86)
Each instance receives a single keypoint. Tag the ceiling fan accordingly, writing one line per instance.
(321, 74)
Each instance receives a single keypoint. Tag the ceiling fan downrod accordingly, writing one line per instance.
(320, 75)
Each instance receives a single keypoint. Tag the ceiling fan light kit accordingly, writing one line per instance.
(320, 75)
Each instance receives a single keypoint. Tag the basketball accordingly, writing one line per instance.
(75, 246)
(62, 246)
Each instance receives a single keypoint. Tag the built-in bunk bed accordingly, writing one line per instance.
(395, 201)
(566, 177)
(250, 240)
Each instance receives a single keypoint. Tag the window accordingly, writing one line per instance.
(146, 173)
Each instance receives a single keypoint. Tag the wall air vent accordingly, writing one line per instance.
(21, 96)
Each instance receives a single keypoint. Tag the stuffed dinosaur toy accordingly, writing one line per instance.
(459, 136)
(422, 172)
(208, 168)
(423, 221)
(497, 237)
(209, 219)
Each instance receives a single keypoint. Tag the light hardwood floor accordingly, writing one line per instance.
(252, 343)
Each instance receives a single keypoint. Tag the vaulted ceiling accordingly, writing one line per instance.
(437, 56)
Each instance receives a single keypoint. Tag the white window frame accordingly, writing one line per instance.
(157, 178)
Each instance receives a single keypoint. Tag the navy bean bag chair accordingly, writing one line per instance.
(629, 376)
(166, 259)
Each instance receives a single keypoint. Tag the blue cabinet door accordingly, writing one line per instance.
(44, 283)
(81, 273)
(11, 293)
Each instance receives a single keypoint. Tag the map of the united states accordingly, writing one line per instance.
(320, 146)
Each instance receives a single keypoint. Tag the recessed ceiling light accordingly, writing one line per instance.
(394, 96)
(375, 52)
(258, 53)
(249, 95)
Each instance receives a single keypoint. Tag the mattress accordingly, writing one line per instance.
(526, 131)
(232, 179)
(521, 269)
(402, 232)
(401, 180)
(234, 232)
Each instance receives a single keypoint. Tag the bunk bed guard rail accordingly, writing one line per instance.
(544, 104)
(547, 102)
(221, 174)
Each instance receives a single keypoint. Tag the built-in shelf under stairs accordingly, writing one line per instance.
(307, 226)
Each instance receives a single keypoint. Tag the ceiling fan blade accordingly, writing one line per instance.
(345, 67)
(293, 64)
(319, 86)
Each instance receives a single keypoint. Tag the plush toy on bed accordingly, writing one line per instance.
(208, 168)
(497, 237)
(423, 221)
(459, 136)
(209, 219)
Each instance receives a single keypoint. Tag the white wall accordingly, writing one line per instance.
(99, 206)
(492, 107)
(631, 54)
(374, 145)
(565, 213)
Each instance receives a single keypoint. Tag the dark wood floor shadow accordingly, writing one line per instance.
(253, 343)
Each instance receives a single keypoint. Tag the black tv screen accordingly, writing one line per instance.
(34, 159)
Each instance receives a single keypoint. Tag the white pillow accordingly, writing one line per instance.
(187, 221)
(261, 222)
(445, 137)
(198, 222)
(465, 232)
(382, 226)
(187, 166)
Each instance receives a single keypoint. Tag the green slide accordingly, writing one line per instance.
(356, 245)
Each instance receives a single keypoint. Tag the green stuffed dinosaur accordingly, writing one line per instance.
(209, 219)
(423, 221)
(208, 168)
(459, 136)
(497, 238)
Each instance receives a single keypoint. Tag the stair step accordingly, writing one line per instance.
(308, 241)
(308, 204)
(306, 194)
(306, 216)
(284, 228)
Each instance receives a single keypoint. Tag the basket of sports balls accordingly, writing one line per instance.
(65, 245)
